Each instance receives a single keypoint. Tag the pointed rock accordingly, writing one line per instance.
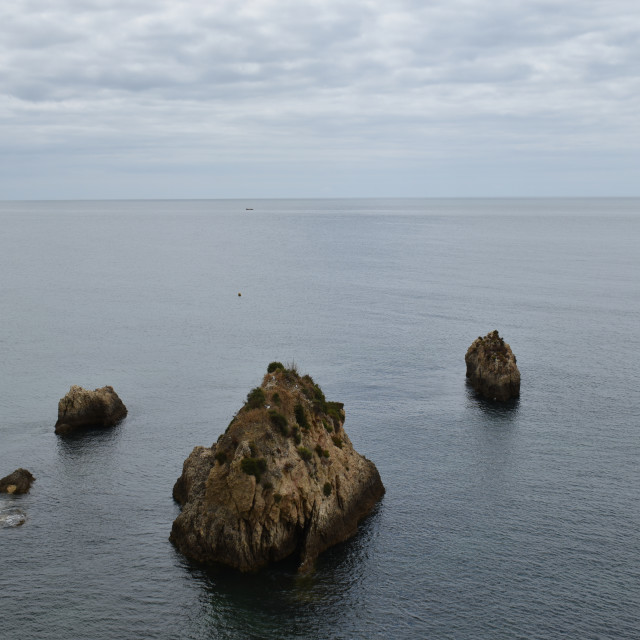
(284, 478)
(492, 369)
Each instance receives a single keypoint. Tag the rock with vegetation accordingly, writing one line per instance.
(82, 408)
(492, 368)
(19, 481)
(283, 479)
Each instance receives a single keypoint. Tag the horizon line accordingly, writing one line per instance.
(254, 198)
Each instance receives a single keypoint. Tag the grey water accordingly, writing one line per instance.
(500, 521)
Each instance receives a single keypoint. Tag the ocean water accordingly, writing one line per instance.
(499, 521)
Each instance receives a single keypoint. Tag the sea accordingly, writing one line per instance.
(500, 521)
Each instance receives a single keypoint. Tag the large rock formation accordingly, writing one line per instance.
(82, 408)
(19, 481)
(283, 479)
(492, 369)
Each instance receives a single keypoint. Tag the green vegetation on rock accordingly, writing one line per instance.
(301, 416)
(255, 398)
(334, 410)
(279, 421)
(254, 467)
(305, 454)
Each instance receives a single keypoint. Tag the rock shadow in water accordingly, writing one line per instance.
(254, 605)
(88, 442)
(498, 410)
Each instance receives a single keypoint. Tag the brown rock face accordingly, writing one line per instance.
(283, 479)
(19, 481)
(492, 369)
(81, 408)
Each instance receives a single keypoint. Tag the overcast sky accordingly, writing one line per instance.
(321, 98)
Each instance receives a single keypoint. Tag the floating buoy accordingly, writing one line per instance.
(239, 294)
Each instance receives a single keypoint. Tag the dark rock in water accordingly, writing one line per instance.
(283, 479)
(81, 408)
(19, 481)
(492, 369)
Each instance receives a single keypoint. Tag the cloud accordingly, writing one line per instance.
(142, 83)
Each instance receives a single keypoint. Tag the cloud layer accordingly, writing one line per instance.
(280, 97)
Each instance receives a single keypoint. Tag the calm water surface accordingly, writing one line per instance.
(515, 521)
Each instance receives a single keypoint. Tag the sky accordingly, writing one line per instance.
(319, 98)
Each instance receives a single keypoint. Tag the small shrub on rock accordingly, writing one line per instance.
(255, 398)
(301, 416)
(305, 454)
(279, 421)
(327, 489)
(333, 410)
(337, 440)
(254, 467)
(291, 374)
(319, 401)
(275, 366)
(232, 421)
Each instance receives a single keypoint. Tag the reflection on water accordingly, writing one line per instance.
(88, 443)
(493, 442)
(497, 411)
(78, 438)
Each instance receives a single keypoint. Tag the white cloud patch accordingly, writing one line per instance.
(143, 84)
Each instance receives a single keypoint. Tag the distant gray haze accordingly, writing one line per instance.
(279, 98)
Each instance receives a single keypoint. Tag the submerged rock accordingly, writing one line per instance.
(492, 369)
(82, 408)
(19, 481)
(11, 518)
(283, 479)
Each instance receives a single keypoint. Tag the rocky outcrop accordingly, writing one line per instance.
(492, 369)
(283, 479)
(19, 481)
(82, 408)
